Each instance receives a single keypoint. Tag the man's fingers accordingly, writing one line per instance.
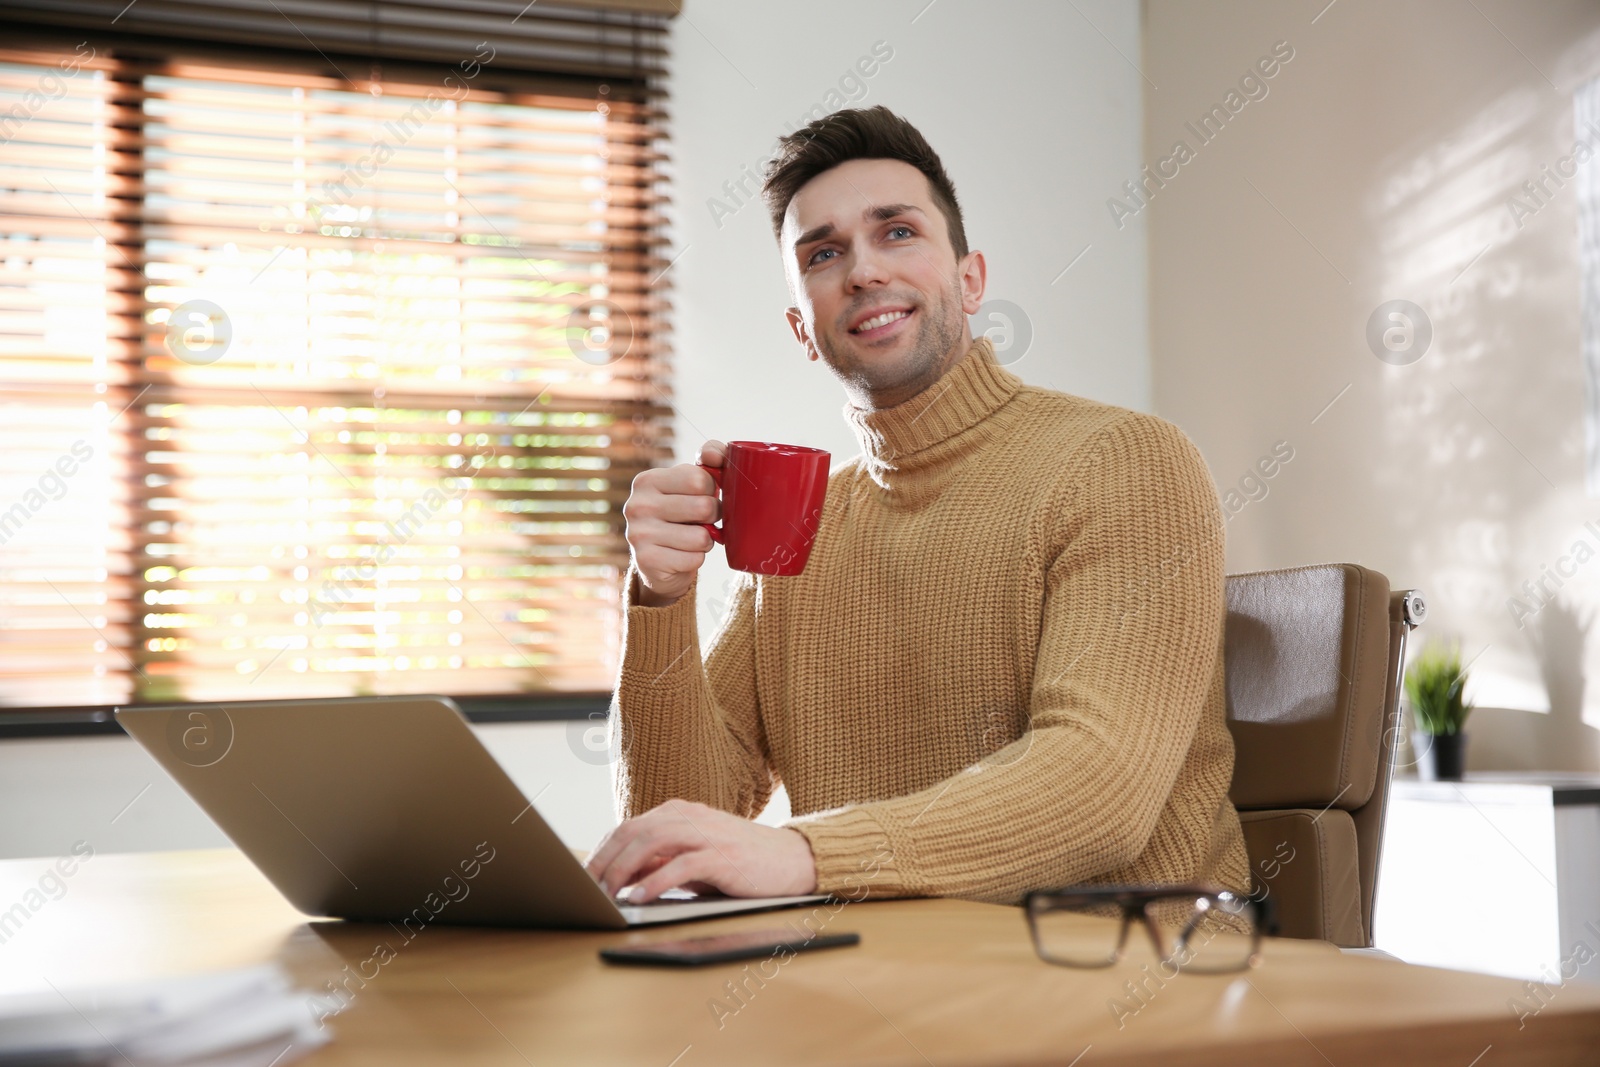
(701, 865)
(646, 871)
(656, 843)
(713, 453)
(685, 478)
(675, 537)
(611, 844)
(681, 508)
(615, 840)
(676, 512)
(639, 844)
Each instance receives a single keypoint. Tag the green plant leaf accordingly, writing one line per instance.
(1435, 685)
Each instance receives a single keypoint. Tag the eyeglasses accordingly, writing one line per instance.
(1197, 930)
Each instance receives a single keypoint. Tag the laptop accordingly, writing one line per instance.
(389, 809)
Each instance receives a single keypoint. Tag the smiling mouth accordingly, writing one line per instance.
(879, 322)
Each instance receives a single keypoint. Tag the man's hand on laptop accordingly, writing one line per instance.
(685, 843)
(665, 508)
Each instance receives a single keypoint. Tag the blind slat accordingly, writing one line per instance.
(616, 38)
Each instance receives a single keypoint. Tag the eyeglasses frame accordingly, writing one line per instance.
(1135, 903)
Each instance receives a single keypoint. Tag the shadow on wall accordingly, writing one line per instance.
(1491, 422)
(1507, 740)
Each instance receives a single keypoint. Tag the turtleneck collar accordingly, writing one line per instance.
(906, 437)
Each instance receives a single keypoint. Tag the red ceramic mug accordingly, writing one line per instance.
(771, 505)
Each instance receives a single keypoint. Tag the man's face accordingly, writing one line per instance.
(879, 294)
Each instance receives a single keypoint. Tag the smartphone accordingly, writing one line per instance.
(721, 948)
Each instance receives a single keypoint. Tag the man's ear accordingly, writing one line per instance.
(797, 325)
(974, 273)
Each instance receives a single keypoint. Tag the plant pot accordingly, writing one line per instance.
(1440, 757)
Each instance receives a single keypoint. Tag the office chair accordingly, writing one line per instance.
(1314, 658)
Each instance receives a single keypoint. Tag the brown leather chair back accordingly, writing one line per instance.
(1314, 656)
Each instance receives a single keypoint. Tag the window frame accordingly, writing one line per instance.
(22, 721)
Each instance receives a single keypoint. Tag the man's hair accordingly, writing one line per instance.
(857, 133)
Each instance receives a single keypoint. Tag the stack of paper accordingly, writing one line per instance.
(245, 1018)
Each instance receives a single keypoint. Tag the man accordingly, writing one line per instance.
(1002, 668)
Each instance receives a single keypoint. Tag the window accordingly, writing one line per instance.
(315, 384)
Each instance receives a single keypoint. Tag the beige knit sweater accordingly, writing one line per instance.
(1001, 670)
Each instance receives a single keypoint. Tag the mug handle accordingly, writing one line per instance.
(716, 532)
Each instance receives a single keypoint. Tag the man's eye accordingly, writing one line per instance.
(816, 256)
(900, 229)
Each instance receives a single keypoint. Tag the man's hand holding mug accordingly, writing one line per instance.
(771, 504)
(664, 512)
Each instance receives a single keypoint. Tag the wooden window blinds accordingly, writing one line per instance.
(324, 377)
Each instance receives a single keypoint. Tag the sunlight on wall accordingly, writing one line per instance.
(1477, 227)
(1444, 181)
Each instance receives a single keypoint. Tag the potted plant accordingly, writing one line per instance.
(1434, 687)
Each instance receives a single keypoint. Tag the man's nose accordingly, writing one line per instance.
(866, 269)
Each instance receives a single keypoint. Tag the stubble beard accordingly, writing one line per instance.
(938, 334)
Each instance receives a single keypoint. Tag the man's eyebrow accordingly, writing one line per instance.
(816, 233)
(889, 211)
(877, 213)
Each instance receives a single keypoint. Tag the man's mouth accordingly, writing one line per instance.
(880, 323)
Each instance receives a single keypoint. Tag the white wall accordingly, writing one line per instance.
(1037, 113)
(107, 791)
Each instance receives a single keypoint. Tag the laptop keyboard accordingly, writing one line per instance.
(671, 896)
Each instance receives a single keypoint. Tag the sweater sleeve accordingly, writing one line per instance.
(687, 728)
(1130, 640)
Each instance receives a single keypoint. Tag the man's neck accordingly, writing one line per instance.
(897, 395)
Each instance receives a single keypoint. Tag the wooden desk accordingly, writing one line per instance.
(933, 982)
